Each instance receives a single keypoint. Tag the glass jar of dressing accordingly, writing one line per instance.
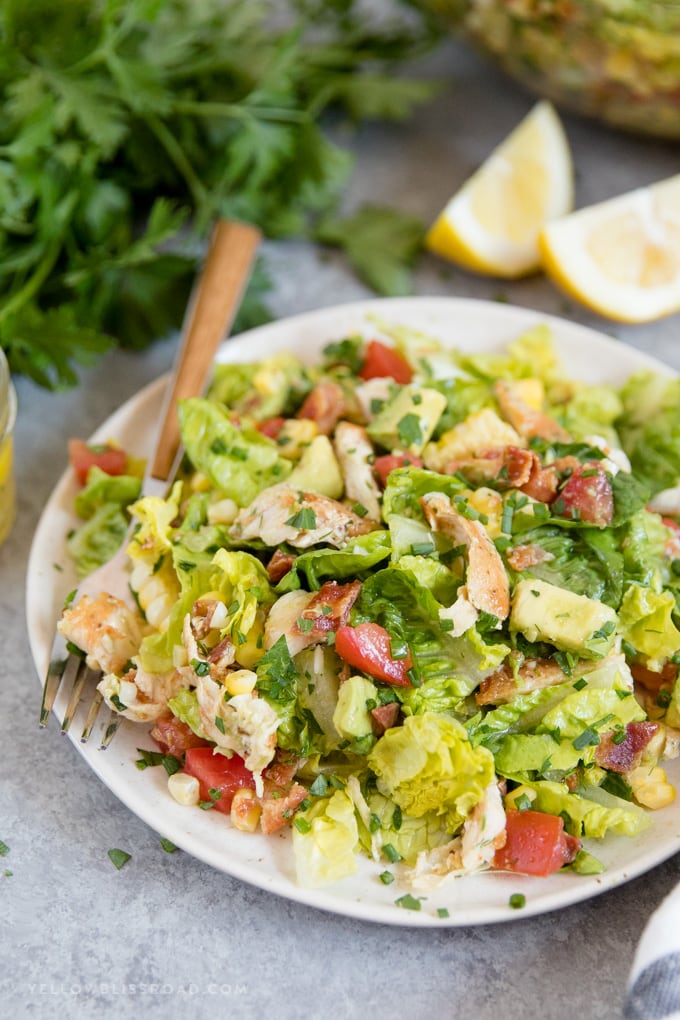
(8, 413)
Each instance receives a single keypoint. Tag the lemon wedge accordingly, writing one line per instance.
(491, 225)
(621, 257)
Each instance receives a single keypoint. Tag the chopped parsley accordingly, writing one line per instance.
(409, 430)
(304, 519)
(119, 858)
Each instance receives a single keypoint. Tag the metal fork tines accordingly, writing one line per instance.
(72, 668)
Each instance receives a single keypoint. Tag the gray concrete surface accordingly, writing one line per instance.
(168, 936)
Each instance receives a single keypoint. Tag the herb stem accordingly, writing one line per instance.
(180, 161)
(240, 112)
(34, 282)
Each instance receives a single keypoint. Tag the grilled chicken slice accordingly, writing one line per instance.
(487, 582)
(525, 419)
(353, 449)
(302, 519)
(105, 628)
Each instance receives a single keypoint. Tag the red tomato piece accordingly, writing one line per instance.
(381, 360)
(218, 773)
(536, 844)
(587, 496)
(368, 647)
(390, 461)
(271, 426)
(109, 459)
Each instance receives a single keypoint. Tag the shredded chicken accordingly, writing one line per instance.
(525, 419)
(487, 583)
(143, 696)
(302, 519)
(105, 628)
(353, 449)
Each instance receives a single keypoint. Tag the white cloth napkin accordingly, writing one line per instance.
(654, 983)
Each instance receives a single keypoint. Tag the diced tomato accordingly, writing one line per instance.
(271, 426)
(218, 773)
(390, 461)
(368, 647)
(174, 736)
(109, 459)
(587, 496)
(381, 361)
(536, 844)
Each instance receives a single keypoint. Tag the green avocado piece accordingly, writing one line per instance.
(407, 421)
(318, 470)
(351, 717)
(573, 623)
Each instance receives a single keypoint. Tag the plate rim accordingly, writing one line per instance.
(516, 319)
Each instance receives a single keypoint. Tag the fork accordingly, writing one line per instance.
(209, 317)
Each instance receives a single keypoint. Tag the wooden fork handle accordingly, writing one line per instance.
(209, 318)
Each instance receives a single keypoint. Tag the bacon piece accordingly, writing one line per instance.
(328, 609)
(221, 657)
(626, 755)
(586, 496)
(174, 736)
(534, 674)
(278, 810)
(521, 557)
(325, 405)
(279, 565)
(527, 421)
(386, 715)
(486, 579)
(543, 483)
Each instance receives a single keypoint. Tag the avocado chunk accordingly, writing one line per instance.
(318, 470)
(573, 623)
(407, 421)
(351, 717)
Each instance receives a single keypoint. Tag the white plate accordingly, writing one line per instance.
(268, 862)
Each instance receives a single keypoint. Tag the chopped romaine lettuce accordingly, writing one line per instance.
(325, 841)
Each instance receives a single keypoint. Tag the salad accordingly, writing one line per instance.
(408, 602)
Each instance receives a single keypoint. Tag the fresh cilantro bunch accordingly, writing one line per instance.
(127, 126)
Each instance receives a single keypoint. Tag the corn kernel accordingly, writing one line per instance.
(184, 789)
(241, 681)
(650, 787)
(295, 435)
(245, 810)
(224, 511)
(200, 482)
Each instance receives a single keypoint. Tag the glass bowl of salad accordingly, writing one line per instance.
(617, 62)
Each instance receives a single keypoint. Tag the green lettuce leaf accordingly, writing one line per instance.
(587, 562)
(96, 541)
(184, 705)
(650, 428)
(354, 560)
(405, 486)
(274, 386)
(408, 835)
(325, 841)
(239, 462)
(521, 753)
(102, 489)
(593, 709)
(410, 614)
(588, 816)
(531, 356)
(429, 765)
(643, 550)
(279, 682)
(645, 621)
(593, 410)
